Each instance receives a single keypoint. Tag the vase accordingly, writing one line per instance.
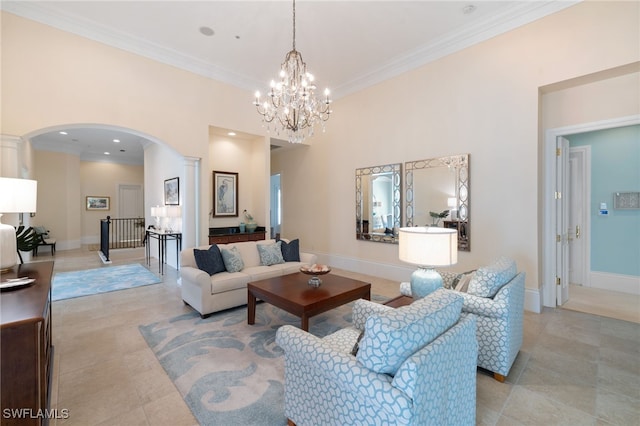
(242, 227)
(251, 227)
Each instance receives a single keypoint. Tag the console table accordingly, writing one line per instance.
(26, 346)
(162, 237)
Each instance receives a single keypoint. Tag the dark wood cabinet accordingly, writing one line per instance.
(26, 347)
(232, 234)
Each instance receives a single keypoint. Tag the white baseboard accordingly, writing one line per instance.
(532, 301)
(629, 284)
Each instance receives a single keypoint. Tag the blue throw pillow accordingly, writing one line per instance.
(232, 260)
(291, 251)
(210, 260)
(270, 254)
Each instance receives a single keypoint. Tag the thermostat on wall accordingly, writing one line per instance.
(603, 210)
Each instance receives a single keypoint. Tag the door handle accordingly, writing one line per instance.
(577, 231)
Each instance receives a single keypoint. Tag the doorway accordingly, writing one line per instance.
(275, 206)
(130, 201)
(558, 187)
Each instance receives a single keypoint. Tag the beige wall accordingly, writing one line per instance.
(60, 207)
(483, 100)
(52, 78)
(103, 179)
(64, 182)
(245, 156)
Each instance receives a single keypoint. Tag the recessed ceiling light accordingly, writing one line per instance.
(116, 140)
(231, 133)
(206, 31)
(468, 9)
(63, 133)
(107, 153)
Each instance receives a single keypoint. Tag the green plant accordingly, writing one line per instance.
(435, 217)
(26, 239)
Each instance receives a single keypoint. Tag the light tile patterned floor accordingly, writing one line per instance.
(573, 369)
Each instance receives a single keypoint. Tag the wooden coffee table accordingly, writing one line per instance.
(292, 294)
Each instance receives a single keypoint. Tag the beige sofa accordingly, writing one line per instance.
(224, 290)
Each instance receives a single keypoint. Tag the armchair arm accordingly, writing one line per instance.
(363, 309)
(484, 306)
(309, 352)
(405, 289)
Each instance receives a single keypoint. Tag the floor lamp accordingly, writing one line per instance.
(16, 196)
(427, 247)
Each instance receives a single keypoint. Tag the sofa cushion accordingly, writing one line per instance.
(223, 282)
(232, 259)
(291, 250)
(209, 260)
(489, 279)
(391, 337)
(270, 254)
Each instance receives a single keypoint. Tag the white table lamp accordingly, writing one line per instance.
(427, 247)
(172, 213)
(16, 196)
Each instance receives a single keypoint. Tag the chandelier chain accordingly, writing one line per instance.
(294, 24)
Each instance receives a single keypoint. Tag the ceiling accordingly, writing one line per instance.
(347, 45)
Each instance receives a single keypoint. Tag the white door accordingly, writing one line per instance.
(562, 220)
(130, 201)
(578, 215)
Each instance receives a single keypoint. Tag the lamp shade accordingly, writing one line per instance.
(428, 246)
(173, 211)
(18, 195)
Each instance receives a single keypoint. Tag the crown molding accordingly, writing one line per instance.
(520, 14)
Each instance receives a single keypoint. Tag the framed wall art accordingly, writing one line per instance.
(98, 203)
(225, 194)
(172, 192)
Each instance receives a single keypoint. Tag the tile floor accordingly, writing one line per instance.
(573, 369)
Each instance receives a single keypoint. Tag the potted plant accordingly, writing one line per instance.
(435, 217)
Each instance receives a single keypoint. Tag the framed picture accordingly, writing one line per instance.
(225, 194)
(98, 203)
(172, 191)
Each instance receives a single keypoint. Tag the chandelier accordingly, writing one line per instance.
(291, 105)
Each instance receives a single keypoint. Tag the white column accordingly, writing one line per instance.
(9, 156)
(191, 203)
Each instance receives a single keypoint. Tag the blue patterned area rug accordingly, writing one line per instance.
(229, 372)
(68, 285)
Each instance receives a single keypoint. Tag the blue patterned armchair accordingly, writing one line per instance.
(495, 295)
(415, 365)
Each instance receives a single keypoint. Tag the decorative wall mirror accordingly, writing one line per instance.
(378, 203)
(434, 186)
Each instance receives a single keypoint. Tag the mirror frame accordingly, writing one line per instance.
(461, 163)
(396, 170)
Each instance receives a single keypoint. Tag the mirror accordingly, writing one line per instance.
(437, 194)
(378, 203)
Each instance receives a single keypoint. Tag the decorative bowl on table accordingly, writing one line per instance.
(315, 270)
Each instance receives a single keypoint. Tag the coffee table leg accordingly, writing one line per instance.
(251, 308)
(305, 322)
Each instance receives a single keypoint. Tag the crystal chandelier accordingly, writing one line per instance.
(291, 102)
